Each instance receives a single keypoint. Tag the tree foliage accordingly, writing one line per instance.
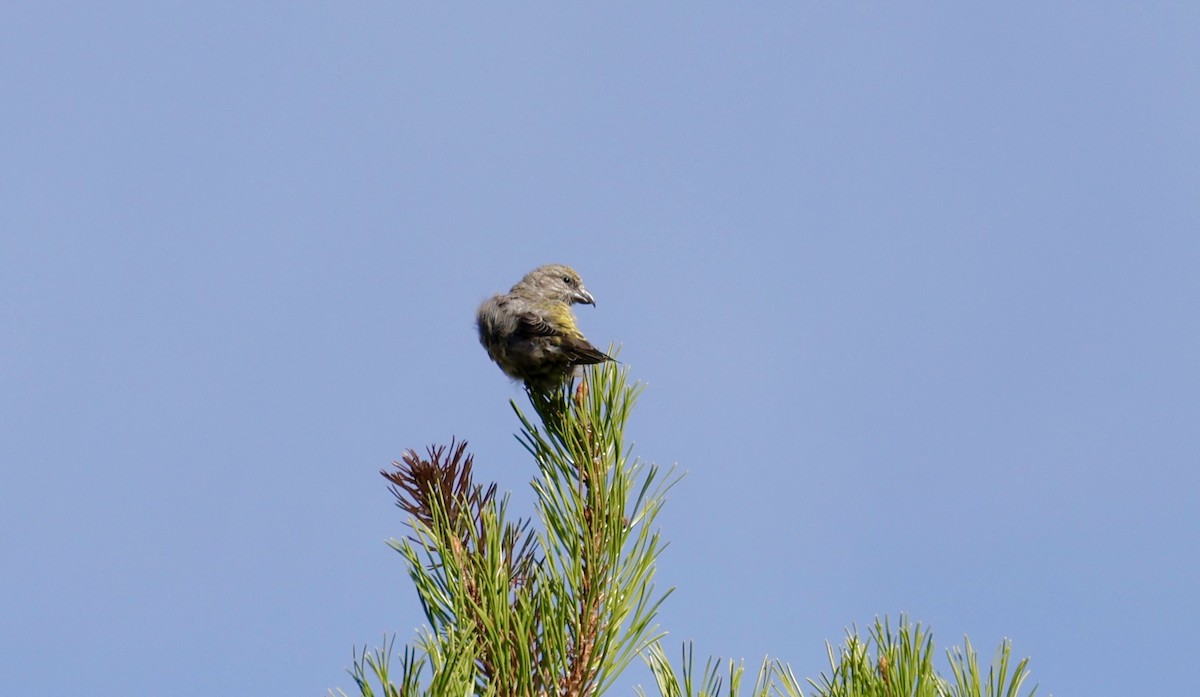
(561, 607)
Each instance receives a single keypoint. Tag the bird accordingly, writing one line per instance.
(530, 331)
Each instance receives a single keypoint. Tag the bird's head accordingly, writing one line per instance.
(556, 282)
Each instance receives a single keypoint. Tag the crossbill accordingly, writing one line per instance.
(530, 332)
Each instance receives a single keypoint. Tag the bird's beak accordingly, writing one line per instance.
(582, 296)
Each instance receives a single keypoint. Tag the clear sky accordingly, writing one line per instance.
(914, 290)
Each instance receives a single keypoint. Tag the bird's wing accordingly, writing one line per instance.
(581, 352)
(535, 325)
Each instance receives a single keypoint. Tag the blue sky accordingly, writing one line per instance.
(913, 290)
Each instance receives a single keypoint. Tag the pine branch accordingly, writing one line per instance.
(562, 610)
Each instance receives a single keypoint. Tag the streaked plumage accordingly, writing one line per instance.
(530, 332)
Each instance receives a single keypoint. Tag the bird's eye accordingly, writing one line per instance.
(568, 280)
